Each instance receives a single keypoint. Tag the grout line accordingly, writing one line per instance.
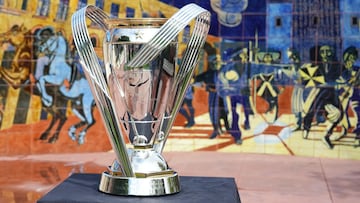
(326, 181)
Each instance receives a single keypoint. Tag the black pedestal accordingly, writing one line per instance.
(83, 188)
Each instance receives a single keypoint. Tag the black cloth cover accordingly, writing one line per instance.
(83, 188)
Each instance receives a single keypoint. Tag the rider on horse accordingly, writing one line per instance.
(53, 53)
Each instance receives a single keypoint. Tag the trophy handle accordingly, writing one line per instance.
(170, 30)
(94, 74)
(161, 40)
(167, 33)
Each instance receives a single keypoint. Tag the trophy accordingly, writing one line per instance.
(139, 90)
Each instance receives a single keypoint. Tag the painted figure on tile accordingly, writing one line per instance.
(233, 83)
(42, 54)
(322, 100)
(349, 84)
(264, 84)
(245, 90)
(21, 64)
(297, 94)
(187, 108)
(52, 72)
(217, 108)
(311, 77)
(53, 54)
(345, 84)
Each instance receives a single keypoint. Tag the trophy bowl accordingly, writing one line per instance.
(139, 91)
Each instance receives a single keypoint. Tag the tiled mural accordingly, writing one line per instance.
(276, 76)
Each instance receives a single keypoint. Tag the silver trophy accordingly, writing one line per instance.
(139, 91)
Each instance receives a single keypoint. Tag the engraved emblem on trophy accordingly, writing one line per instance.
(139, 91)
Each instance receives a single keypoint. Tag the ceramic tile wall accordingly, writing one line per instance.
(279, 75)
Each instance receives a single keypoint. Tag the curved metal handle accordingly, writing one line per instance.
(97, 82)
(170, 30)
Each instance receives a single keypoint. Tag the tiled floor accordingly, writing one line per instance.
(259, 177)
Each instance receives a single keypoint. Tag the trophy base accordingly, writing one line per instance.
(133, 186)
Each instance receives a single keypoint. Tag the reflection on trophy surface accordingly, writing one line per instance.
(139, 92)
(141, 95)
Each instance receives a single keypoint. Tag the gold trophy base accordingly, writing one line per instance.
(157, 185)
